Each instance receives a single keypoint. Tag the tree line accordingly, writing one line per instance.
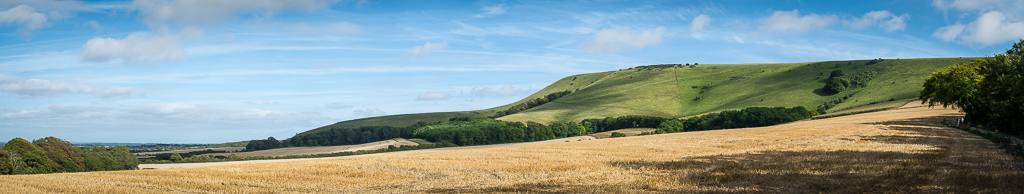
(52, 155)
(466, 131)
(990, 91)
(748, 117)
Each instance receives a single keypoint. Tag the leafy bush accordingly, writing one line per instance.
(835, 73)
(670, 126)
(836, 85)
(617, 134)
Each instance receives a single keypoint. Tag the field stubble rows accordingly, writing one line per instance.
(903, 150)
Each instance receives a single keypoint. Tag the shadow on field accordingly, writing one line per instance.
(936, 170)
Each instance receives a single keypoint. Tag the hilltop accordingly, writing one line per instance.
(681, 90)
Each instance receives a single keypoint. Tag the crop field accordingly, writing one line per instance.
(902, 150)
(225, 149)
(322, 149)
(628, 132)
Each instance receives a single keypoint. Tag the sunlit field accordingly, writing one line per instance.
(903, 150)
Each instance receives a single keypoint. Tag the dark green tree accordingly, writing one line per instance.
(990, 91)
(836, 73)
(176, 157)
(836, 85)
(63, 153)
(670, 126)
(5, 162)
(35, 159)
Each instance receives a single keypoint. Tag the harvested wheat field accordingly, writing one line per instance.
(902, 150)
(322, 149)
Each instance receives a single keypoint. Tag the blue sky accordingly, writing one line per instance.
(208, 71)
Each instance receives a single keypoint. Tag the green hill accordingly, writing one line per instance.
(673, 90)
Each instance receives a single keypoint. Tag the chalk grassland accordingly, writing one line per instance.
(651, 92)
(671, 91)
(870, 108)
(901, 150)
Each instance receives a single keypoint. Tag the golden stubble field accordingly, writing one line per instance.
(902, 150)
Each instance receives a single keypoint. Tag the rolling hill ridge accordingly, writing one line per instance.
(681, 90)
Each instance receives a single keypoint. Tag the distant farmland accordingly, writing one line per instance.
(902, 150)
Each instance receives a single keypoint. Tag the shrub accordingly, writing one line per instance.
(617, 134)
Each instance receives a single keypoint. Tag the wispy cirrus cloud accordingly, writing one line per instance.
(328, 28)
(507, 90)
(39, 88)
(423, 50)
(494, 10)
(369, 112)
(622, 39)
(434, 95)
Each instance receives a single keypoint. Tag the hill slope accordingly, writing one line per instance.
(671, 90)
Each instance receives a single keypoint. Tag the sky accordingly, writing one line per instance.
(212, 71)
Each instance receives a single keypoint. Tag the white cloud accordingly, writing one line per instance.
(489, 11)
(38, 88)
(25, 18)
(94, 25)
(158, 13)
(139, 47)
(8, 78)
(949, 33)
(256, 114)
(1005, 6)
(792, 21)
(507, 90)
(30, 15)
(329, 28)
(369, 112)
(699, 22)
(433, 95)
(617, 40)
(422, 50)
(989, 29)
(169, 110)
(895, 23)
(993, 28)
(884, 19)
(338, 105)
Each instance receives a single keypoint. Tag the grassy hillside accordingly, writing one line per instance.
(670, 91)
(571, 83)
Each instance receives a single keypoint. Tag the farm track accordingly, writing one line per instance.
(903, 150)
